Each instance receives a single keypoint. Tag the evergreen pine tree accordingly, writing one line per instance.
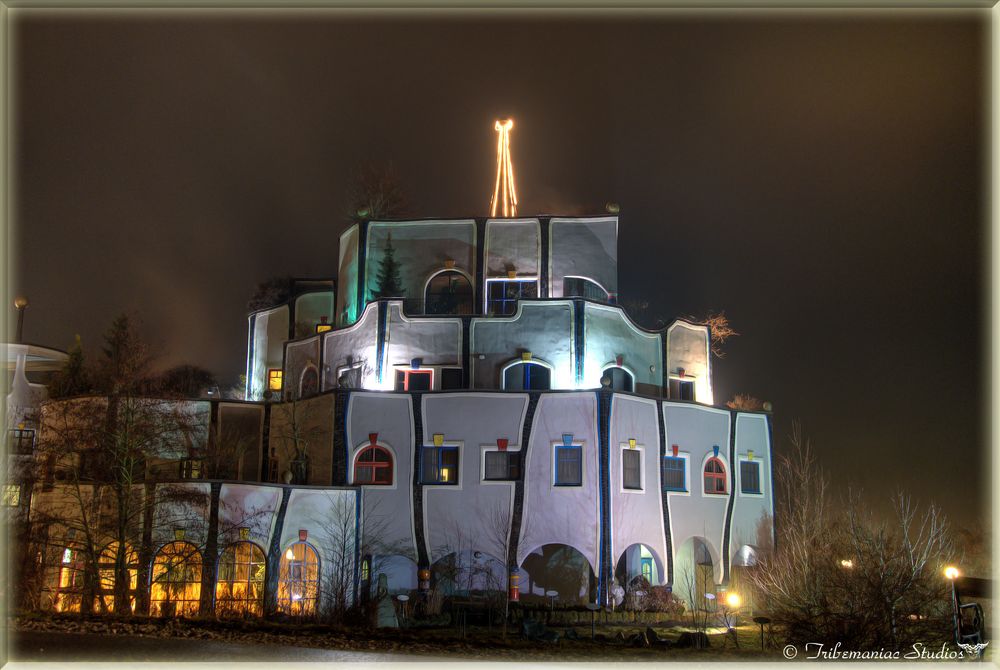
(389, 283)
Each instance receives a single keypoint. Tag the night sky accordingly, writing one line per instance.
(819, 176)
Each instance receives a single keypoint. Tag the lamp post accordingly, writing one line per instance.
(733, 602)
(20, 303)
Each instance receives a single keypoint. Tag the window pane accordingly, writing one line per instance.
(631, 472)
(536, 377)
(569, 470)
(451, 378)
(749, 477)
(496, 465)
(419, 381)
(673, 474)
(429, 466)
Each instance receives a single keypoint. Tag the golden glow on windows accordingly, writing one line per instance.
(274, 379)
(239, 590)
(176, 583)
(298, 580)
(12, 495)
(504, 193)
(105, 600)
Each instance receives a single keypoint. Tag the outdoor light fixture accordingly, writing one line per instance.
(951, 572)
(289, 554)
(733, 600)
(847, 563)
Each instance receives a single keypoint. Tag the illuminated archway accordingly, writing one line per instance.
(176, 580)
(105, 599)
(298, 580)
(239, 586)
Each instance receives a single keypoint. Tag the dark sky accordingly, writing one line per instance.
(820, 176)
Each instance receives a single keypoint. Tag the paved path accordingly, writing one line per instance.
(61, 647)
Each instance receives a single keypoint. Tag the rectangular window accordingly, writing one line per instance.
(502, 465)
(272, 467)
(673, 474)
(502, 296)
(632, 469)
(21, 441)
(452, 378)
(681, 390)
(439, 465)
(749, 477)
(569, 465)
(11, 495)
(414, 380)
(274, 379)
(191, 468)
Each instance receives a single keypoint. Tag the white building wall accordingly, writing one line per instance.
(460, 517)
(437, 341)
(544, 329)
(347, 277)
(695, 514)
(390, 508)
(689, 347)
(298, 356)
(248, 506)
(636, 516)
(583, 248)
(270, 332)
(561, 514)
(753, 513)
(513, 243)
(356, 344)
(609, 333)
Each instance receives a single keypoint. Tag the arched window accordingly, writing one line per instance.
(105, 599)
(373, 466)
(239, 590)
(298, 580)
(448, 292)
(309, 383)
(715, 476)
(527, 377)
(69, 580)
(621, 379)
(581, 287)
(176, 583)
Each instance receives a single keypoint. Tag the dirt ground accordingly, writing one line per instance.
(476, 642)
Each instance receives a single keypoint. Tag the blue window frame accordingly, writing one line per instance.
(502, 296)
(527, 377)
(439, 465)
(569, 465)
(749, 477)
(674, 478)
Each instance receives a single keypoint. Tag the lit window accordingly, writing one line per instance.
(21, 441)
(632, 469)
(274, 379)
(239, 590)
(70, 576)
(569, 465)
(715, 476)
(502, 295)
(439, 465)
(749, 477)
(176, 581)
(414, 380)
(298, 580)
(191, 468)
(527, 377)
(674, 477)
(12, 495)
(366, 573)
(105, 600)
(323, 326)
(373, 466)
(502, 465)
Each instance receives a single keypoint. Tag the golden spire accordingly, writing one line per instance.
(504, 193)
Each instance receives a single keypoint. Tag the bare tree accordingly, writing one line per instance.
(376, 193)
(745, 401)
(718, 324)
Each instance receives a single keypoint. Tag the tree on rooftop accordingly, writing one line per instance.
(389, 285)
(270, 293)
(74, 377)
(376, 193)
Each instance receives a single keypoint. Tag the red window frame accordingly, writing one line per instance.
(421, 371)
(715, 476)
(381, 470)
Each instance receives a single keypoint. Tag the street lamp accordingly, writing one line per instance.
(951, 572)
(847, 563)
(20, 302)
(733, 602)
